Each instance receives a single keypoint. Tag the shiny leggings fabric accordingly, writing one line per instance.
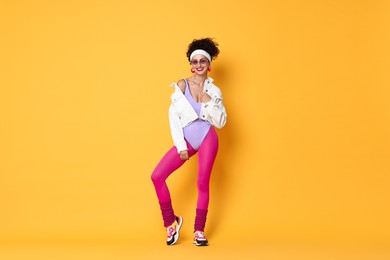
(171, 161)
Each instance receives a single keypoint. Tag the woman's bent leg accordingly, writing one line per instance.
(168, 164)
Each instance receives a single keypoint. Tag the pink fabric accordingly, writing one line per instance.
(200, 219)
(171, 161)
(167, 213)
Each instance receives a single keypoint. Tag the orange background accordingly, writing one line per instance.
(303, 166)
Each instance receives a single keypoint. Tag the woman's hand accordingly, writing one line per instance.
(205, 98)
(184, 155)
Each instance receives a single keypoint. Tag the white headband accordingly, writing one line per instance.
(199, 51)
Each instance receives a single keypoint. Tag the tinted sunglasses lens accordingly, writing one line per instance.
(201, 61)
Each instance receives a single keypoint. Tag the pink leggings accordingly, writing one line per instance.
(171, 161)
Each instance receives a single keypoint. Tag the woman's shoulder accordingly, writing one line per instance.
(182, 84)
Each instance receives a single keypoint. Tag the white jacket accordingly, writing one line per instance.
(181, 113)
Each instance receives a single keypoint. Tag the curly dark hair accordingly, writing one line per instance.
(206, 44)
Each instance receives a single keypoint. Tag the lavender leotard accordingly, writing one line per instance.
(195, 132)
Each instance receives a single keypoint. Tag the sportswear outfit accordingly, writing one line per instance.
(191, 125)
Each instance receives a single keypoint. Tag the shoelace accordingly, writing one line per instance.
(199, 235)
(171, 230)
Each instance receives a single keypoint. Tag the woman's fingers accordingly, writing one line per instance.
(184, 155)
(205, 98)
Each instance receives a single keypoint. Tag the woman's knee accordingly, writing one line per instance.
(155, 177)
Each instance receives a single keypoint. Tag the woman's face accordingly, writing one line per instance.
(200, 64)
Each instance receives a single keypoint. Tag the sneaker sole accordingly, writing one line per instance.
(200, 244)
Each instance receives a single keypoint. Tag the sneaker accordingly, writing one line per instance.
(200, 239)
(173, 231)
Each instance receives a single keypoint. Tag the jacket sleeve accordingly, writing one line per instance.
(214, 111)
(176, 130)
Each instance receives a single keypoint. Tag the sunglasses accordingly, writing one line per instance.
(201, 62)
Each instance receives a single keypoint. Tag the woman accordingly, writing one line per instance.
(196, 108)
